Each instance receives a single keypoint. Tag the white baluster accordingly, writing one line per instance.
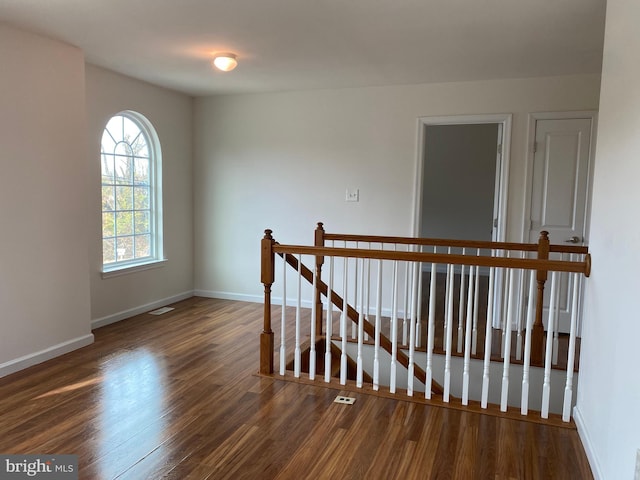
(368, 294)
(283, 323)
(394, 329)
(354, 327)
(312, 348)
(531, 309)
(296, 354)
(467, 340)
(487, 341)
(519, 326)
(504, 318)
(419, 310)
(556, 321)
(406, 303)
(395, 249)
(412, 330)
(568, 387)
(329, 326)
(376, 349)
(343, 325)
(461, 310)
(546, 386)
(474, 334)
(507, 344)
(359, 360)
(430, 331)
(447, 363)
(448, 285)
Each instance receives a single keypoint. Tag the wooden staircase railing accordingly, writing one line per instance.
(541, 265)
(354, 316)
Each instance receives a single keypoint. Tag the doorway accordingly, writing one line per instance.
(448, 202)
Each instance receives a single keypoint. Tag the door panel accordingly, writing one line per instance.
(559, 192)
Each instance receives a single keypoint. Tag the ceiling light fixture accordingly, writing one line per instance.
(225, 61)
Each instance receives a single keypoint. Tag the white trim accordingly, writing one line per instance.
(241, 297)
(31, 359)
(505, 120)
(529, 158)
(587, 444)
(275, 300)
(116, 317)
(138, 267)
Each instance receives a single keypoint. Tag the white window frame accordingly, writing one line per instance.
(156, 258)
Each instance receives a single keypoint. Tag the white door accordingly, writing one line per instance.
(559, 192)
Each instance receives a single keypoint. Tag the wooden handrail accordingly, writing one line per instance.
(440, 242)
(443, 258)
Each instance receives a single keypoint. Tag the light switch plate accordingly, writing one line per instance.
(353, 195)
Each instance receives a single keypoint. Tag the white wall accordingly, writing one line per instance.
(171, 114)
(284, 160)
(44, 281)
(609, 390)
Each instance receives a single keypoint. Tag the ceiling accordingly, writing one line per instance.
(314, 44)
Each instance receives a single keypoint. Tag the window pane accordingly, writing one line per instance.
(124, 168)
(143, 246)
(124, 198)
(108, 224)
(131, 130)
(108, 199)
(139, 146)
(124, 250)
(142, 222)
(107, 142)
(108, 251)
(108, 167)
(141, 171)
(114, 128)
(141, 198)
(124, 223)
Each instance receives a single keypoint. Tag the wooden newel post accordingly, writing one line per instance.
(318, 241)
(267, 276)
(537, 332)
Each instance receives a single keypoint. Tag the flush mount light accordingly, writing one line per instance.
(225, 61)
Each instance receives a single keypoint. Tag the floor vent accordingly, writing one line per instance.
(345, 400)
(162, 310)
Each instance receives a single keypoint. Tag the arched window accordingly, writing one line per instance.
(131, 193)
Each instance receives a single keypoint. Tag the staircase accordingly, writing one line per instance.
(401, 315)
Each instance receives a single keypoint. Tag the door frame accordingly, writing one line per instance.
(530, 153)
(502, 164)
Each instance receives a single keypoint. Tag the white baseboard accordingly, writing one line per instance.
(583, 433)
(116, 317)
(240, 297)
(291, 302)
(27, 361)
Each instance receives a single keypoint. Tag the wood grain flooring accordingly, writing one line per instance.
(176, 396)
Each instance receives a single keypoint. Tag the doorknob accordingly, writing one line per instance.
(574, 239)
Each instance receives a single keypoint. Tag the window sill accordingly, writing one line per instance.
(127, 269)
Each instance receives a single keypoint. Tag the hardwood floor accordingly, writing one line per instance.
(176, 396)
